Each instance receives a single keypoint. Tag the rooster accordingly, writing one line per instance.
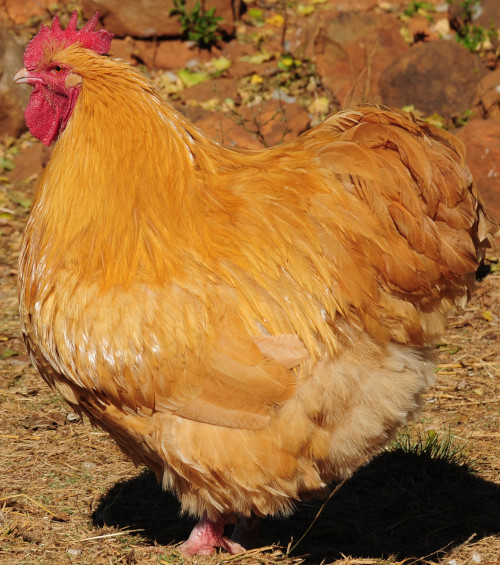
(249, 325)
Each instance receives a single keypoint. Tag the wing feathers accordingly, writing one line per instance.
(287, 349)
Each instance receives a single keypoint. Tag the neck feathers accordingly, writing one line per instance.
(124, 190)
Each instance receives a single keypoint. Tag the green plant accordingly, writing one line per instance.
(471, 35)
(199, 25)
(417, 6)
(432, 445)
(463, 118)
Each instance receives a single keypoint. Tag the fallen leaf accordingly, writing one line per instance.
(256, 15)
(20, 198)
(277, 20)
(220, 64)
(191, 78)
(6, 164)
(258, 58)
(305, 9)
(319, 105)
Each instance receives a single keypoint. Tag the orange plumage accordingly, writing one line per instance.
(249, 325)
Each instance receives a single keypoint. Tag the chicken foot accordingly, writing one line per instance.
(206, 537)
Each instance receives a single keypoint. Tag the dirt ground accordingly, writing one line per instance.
(67, 494)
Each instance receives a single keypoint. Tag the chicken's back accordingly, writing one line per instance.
(371, 219)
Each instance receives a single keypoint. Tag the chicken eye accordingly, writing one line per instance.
(57, 69)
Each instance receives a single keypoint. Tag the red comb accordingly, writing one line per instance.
(99, 41)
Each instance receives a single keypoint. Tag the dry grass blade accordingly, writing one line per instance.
(104, 536)
(32, 500)
(248, 553)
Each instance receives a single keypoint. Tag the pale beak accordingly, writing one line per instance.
(23, 76)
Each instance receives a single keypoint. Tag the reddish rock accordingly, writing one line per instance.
(482, 143)
(169, 55)
(437, 77)
(360, 5)
(226, 131)
(276, 122)
(220, 88)
(489, 14)
(124, 49)
(240, 69)
(487, 101)
(30, 162)
(150, 18)
(301, 35)
(13, 97)
(234, 50)
(16, 12)
(353, 49)
(352, 5)
(193, 113)
(484, 14)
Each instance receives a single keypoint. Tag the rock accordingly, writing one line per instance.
(234, 50)
(352, 50)
(124, 49)
(437, 77)
(482, 143)
(275, 122)
(352, 5)
(30, 162)
(219, 88)
(16, 12)
(168, 55)
(13, 97)
(301, 35)
(487, 14)
(222, 128)
(487, 102)
(150, 18)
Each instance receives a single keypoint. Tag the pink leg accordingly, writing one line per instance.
(206, 537)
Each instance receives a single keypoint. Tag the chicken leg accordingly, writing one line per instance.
(206, 537)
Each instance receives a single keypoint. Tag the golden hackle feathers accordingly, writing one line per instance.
(250, 325)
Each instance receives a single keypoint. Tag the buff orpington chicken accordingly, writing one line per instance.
(250, 325)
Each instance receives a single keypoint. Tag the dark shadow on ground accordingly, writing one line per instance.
(401, 504)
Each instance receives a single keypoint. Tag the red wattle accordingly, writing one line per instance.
(48, 113)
